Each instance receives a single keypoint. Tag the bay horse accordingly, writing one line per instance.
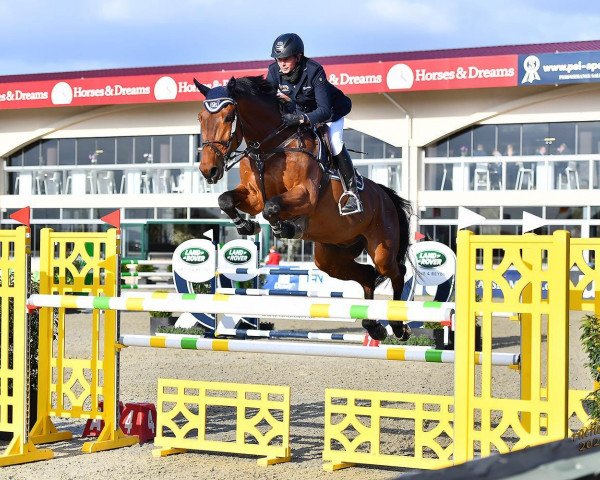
(281, 178)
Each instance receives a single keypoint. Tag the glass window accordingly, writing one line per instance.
(438, 149)
(143, 150)
(162, 149)
(16, 160)
(509, 213)
(180, 148)
(77, 213)
(171, 213)
(588, 138)
(32, 155)
(124, 150)
(373, 147)
(509, 140)
(353, 141)
(66, 151)
(107, 145)
(43, 213)
(561, 138)
(555, 213)
(440, 213)
(49, 152)
(389, 151)
(535, 139)
(139, 213)
(459, 145)
(86, 147)
(101, 212)
(484, 140)
(487, 212)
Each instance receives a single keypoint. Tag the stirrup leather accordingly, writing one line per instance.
(344, 195)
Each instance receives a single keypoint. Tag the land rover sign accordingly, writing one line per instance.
(194, 256)
(430, 259)
(195, 260)
(238, 253)
(435, 262)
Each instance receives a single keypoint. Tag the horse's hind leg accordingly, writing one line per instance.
(338, 262)
(388, 264)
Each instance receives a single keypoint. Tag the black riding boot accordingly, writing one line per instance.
(346, 169)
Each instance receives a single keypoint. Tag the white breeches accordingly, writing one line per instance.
(336, 134)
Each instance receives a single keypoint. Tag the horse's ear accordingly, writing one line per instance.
(231, 85)
(203, 88)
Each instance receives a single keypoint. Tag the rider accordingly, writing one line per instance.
(310, 99)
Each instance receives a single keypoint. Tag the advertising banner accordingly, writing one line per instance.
(559, 68)
(352, 78)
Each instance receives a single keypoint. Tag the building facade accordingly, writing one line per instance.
(499, 130)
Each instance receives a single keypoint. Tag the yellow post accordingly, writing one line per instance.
(79, 263)
(14, 281)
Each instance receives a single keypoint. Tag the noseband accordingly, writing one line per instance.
(214, 106)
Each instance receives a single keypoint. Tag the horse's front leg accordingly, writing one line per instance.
(245, 200)
(296, 202)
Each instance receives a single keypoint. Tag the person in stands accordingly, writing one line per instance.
(309, 99)
(274, 257)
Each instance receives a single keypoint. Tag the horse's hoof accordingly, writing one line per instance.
(401, 330)
(285, 230)
(249, 228)
(375, 330)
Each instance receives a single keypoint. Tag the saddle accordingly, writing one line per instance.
(325, 158)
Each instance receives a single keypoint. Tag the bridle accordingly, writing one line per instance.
(214, 106)
(231, 157)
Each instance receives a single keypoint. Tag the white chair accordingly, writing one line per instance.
(162, 181)
(522, 175)
(53, 183)
(91, 182)
(444, 176)
(482, 177)
(178, 184)
(106, 183)
(570, 175)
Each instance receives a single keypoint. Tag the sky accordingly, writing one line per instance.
(40, 36)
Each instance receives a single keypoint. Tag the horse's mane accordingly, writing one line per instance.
(256, 86)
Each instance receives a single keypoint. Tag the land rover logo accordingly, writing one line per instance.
(430, 259)
(237, 255)
(194, 256)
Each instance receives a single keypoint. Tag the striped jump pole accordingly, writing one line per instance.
(296, 307)
(298, 334)
(383, 352)
(279, 292)
(146, 274)
(265, 271)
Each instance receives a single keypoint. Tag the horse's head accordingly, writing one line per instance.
(221, 131)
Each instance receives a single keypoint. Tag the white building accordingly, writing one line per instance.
(480, 128)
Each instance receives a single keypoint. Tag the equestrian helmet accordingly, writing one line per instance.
(286, 45)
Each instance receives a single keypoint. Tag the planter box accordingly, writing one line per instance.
(156, 322)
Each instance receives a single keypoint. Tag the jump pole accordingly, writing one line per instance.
(383, 352)
(303, 307)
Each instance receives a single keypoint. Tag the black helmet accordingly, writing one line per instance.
(287, 45)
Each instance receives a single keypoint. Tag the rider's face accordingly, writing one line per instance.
(287, 64)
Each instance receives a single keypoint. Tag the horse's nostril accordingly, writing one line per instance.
(214, 172)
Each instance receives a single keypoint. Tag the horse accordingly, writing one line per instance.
(281, 178)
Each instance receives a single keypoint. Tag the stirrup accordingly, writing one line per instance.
(348, 194)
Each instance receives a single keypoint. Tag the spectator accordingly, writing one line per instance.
(274, 257)
(562, 149)
(479, 151)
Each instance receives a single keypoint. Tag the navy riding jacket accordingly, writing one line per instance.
(313, 95)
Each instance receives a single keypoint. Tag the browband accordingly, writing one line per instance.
(216, 104)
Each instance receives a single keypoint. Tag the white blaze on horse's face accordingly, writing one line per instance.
(217, 141)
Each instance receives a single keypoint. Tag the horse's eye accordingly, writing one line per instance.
(229, 118)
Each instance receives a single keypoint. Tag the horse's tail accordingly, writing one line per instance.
(404, 211)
